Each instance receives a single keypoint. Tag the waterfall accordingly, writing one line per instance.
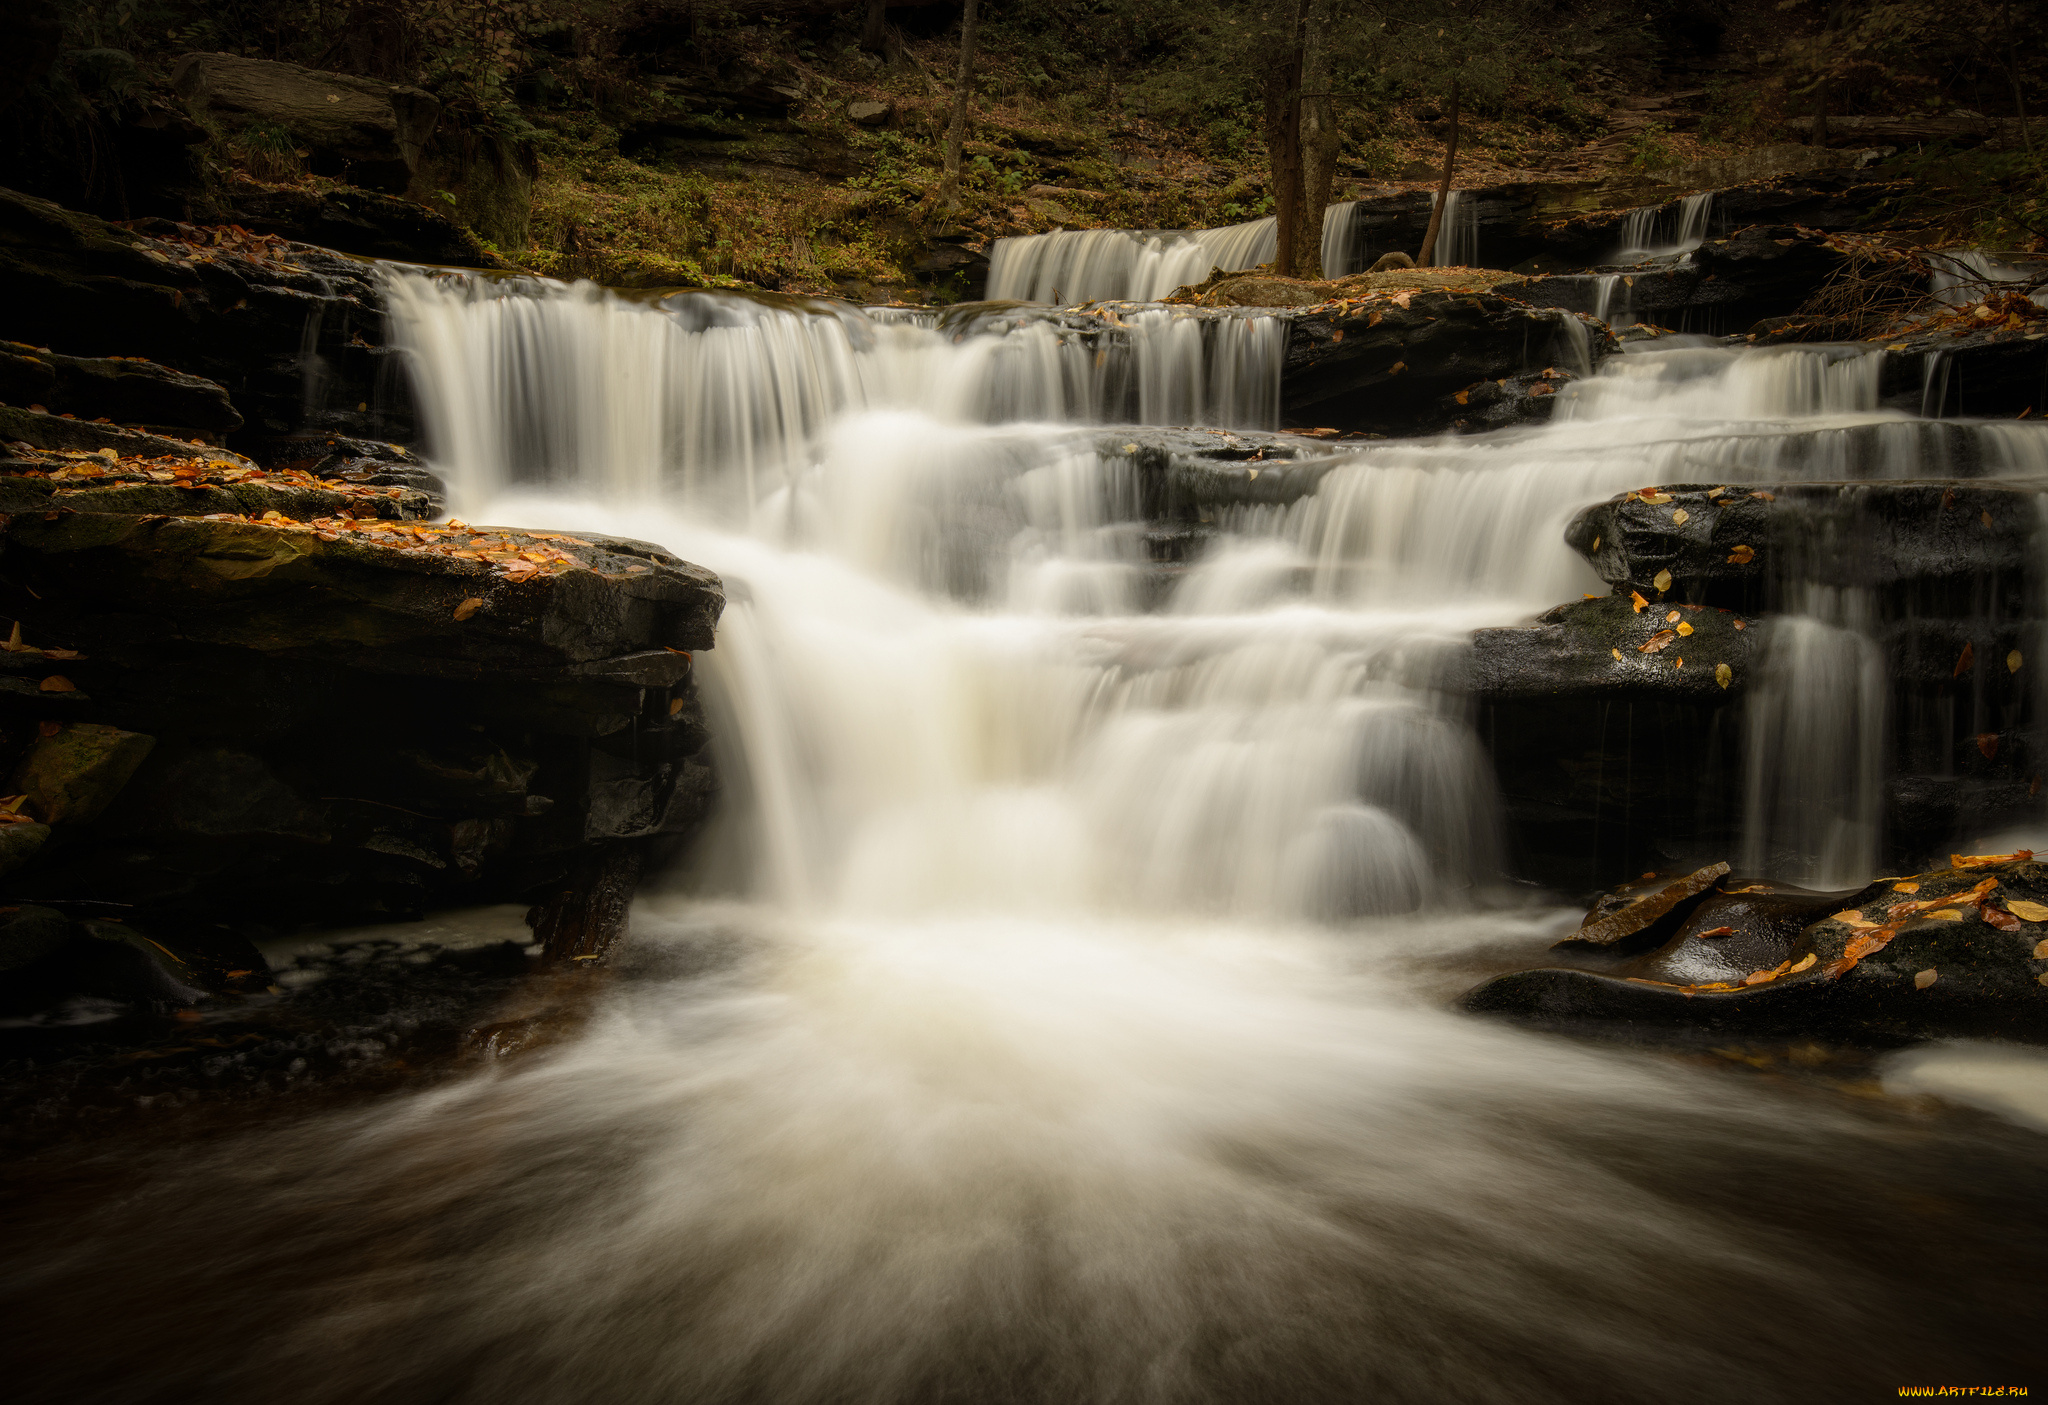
(715, 399)
(1457, 237)
(1665, 232)
(1072, 266)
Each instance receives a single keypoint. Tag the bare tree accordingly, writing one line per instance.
(1301, 139)
(1443, 186)
(874, 35)
(956, 135)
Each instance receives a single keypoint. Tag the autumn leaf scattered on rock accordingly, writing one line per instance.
(1684, 629)
(1719, 932)
(1656, 642)
(1987, 742)
(2013, 661)
(1964, 660)
(1723, 674)
(1905, 887)
(2032, 912)
(1641, 604)
(468, 608)
(1741, 556)
(1924, 979)
(1680, 517)
(58, 683)
(1662, 581)
(1989, 860)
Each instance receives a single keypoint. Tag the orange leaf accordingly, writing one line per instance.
(58, 683)
(1987, 742)
(1641, 604)
(1964, 660)
(1656, 642)
(1741, 556)
(1999, 918)
(468, 608)
(1989, 860)
(1719, 932)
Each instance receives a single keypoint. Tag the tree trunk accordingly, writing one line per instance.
(1443, 187)
(874, 34)
(582, 917)
(1317, 138)
(1283, 147)
(956, 135)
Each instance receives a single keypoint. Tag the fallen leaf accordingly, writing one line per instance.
(1802, 964)
(1741, 556)
(1656, 642)
(1905, 887)
(15, 646)
(468, 608)
(1947, 914)
(1987, 742)
(1662, 582)
(1964, 660)
(58, 683)
(1764, 496)
(1679, 517)
(2041, 949)
(1988, 860)
(1985, 517)
(1616, 653)
(1925, 979)
(2033, 912)
(1739, 624)
(1651, 495)
(48, 729)
(1854, 917)
(1723, 674)
(1678, 663)
(1684, 628)
(1397, 368)
(1999, 918)
(1596, 543)
(1719, 932)
(1641, 604)
(1671, 618)
(2013, 661)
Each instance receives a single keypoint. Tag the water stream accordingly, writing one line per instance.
(1055, 1011)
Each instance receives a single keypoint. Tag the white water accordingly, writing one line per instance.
(1665, 232)
(1071, 1027)
(1072, 266)
(1457, 236)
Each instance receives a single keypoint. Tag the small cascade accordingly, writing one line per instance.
(1816, 743)
(1072, 266)
(1665, 232)
(1457, 236)
(1962, 276)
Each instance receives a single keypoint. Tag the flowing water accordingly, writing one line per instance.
(1071, 266)
(1056, 1011)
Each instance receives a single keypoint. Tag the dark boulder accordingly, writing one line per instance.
(1957, 952)
(366, 222)
(345, 720)
(1396, 364)
(360, 130)
(293, 333)
(127, 390)
(1998, 372)
(1608, 647)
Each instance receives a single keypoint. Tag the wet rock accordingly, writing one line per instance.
(19, 843)
(360, 130)
(129, 391)
(870, 114)
(1724, 545)
(74, 771)
(294, 334)
(366, 222)
(1609, 763)
(174, 485)
(1961, 951)
(49, 431)
(583, 916)
(353, 722)
(1394, 365)
(1606, 647)
(1636, 914)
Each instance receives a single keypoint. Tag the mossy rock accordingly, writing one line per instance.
(74, 772)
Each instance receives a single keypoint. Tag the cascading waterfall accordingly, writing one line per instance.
(1070, 266)
(1665, 232)
(1054, 1010)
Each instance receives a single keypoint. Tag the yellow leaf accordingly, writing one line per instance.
(2031, 912)
(2041, 949)
(1678, 518)
(1804, 962)
(1615, 652)
(1662, 582)
(1947, 914)
(468, 608)
(1671, 618)
(1685, 629)
(1596, 543)
(1905, 887)
(1925, 979)
(1723, 674)
(1855, 918)
(58, 683)
(1741, 556)
(2013, 661)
